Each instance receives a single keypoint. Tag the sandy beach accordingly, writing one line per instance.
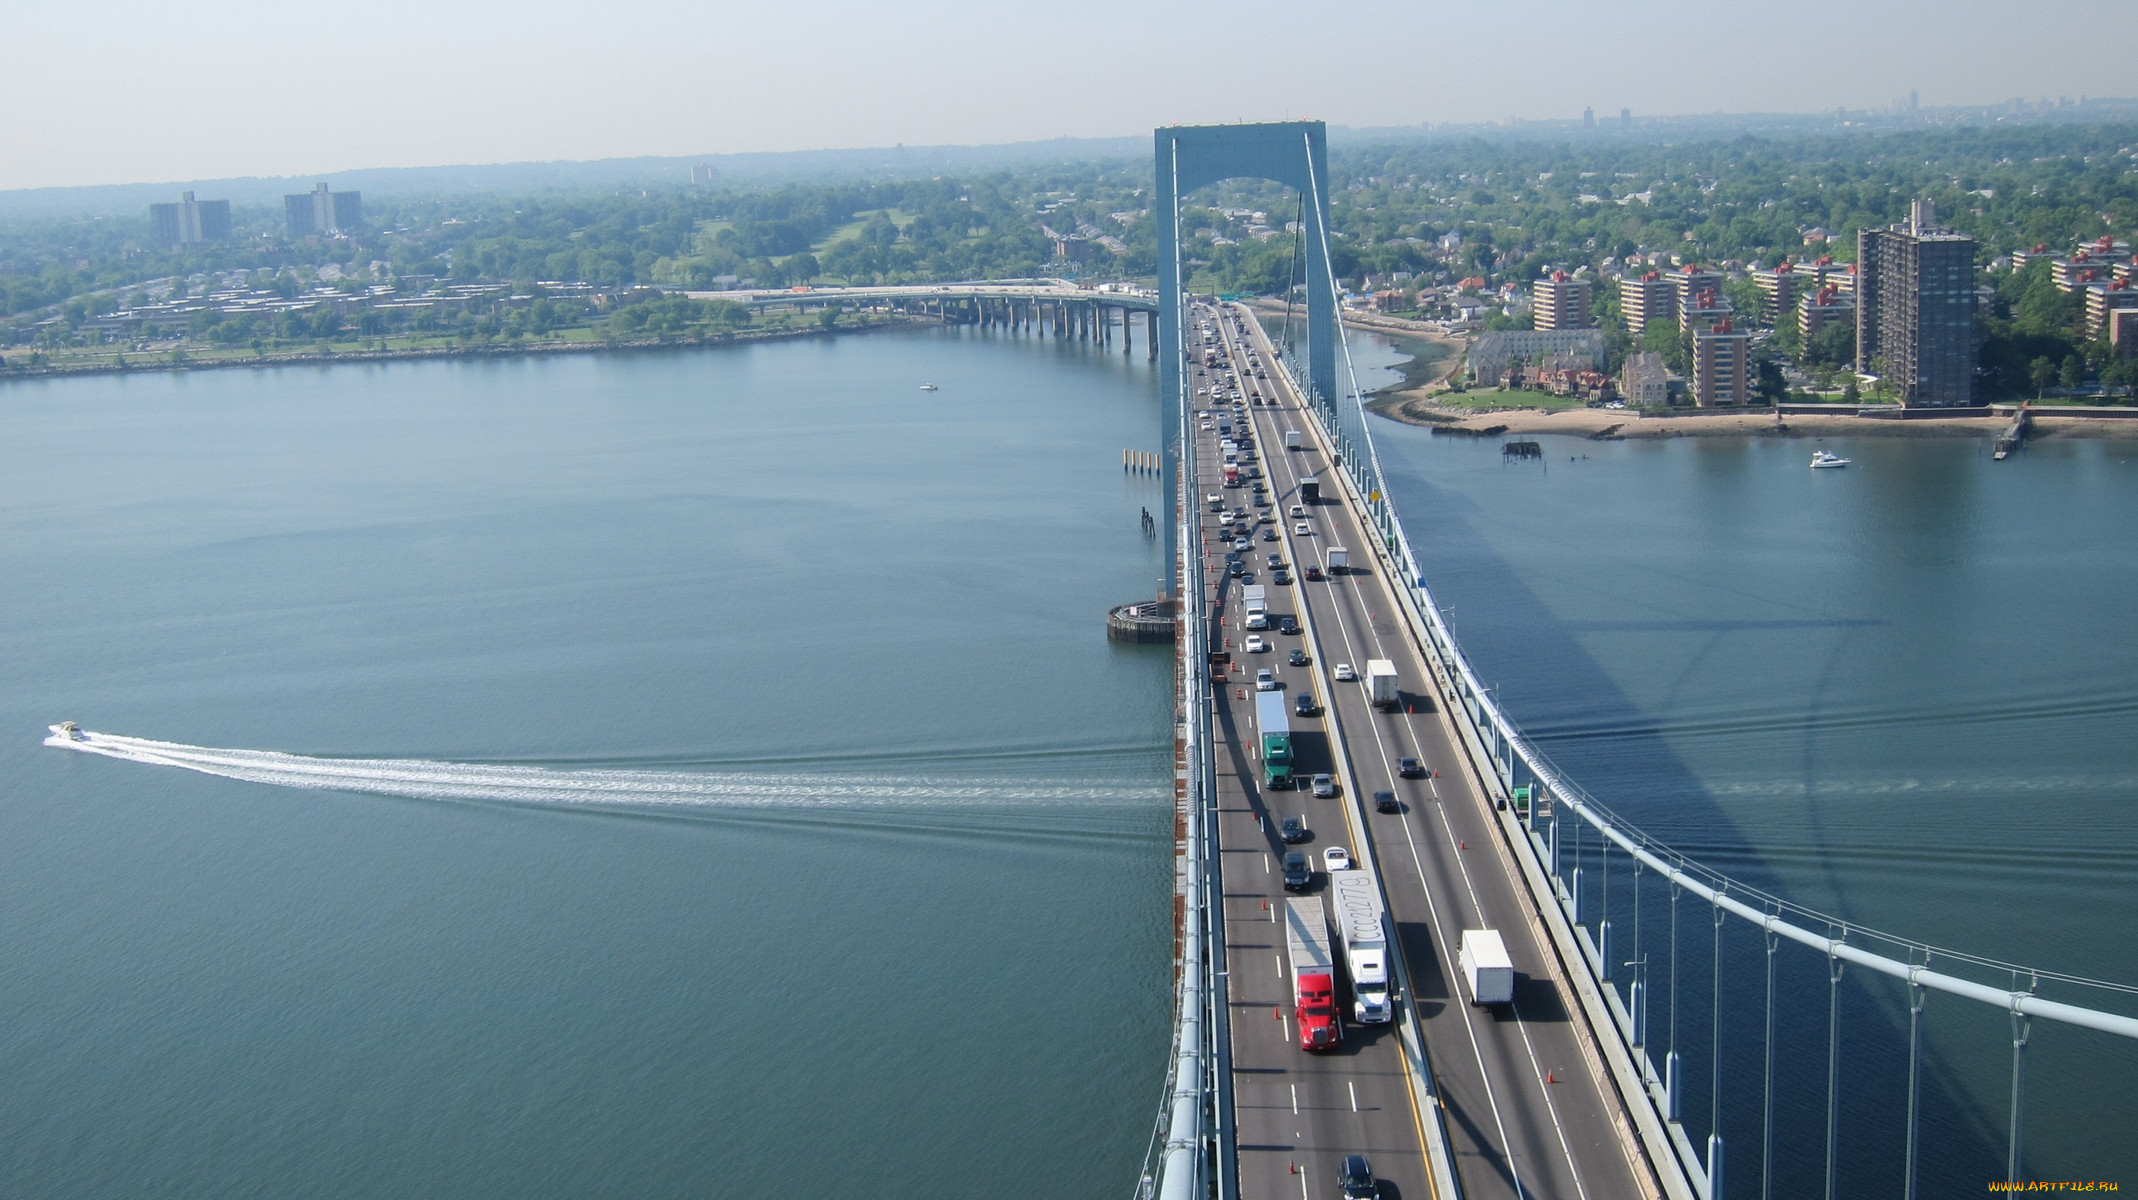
(1604, 424)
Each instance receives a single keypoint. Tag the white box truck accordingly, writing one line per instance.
(1381, 683)
(1291, 439)
(1255, 598)
(1364, 937)
(1486, 968)
(1337, 559)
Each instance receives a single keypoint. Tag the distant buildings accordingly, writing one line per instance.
(1722, 366)
(2123, 332)
(1778, 290)
(1823, 308)
(190, 221)
(1644, 299)
(1558, 302)
(1492, 353)
(323, 211)
(1915, 310)
(1702, 309)
(2101, 300)
(1645, 382)
(1696, 289)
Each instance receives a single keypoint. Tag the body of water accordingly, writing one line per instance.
(1903, 692)
(735, 791)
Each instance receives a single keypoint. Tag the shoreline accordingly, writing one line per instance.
(1597, 424)
(323, 358)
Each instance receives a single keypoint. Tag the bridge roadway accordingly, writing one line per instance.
(1008, 289)
(1528, 1113)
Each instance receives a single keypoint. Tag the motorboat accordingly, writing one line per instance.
(68, 731)
(928, 387)
(1822, 458)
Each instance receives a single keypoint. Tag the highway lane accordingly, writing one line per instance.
(1298, 1113)
(1528, 1111)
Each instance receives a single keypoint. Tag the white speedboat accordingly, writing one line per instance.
(1821, 458)
(928, 387)
(68, 731)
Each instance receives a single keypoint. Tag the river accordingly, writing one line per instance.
(1901, 692)
(859, 885)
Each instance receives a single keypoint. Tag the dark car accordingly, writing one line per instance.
(1237, 569)
(1409, 768)
(1280, 577)
(1324, 786)
(1304, 704)
(1297, 658)
(1269, 535)
(1287, 625)
(1294, 830)
(1313, 574)
(1274, 561)
(1298, 876)
(1355, 1177)
(1386, 802)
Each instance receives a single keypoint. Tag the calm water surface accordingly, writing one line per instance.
(1905, 693)
(895, 924)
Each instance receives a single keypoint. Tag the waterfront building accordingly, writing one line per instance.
(1722, 366)
(1645, 382)
(1822, 308)
(1687, 283)
(1702, 310)
(1559, 302)
(1915, 309)
(2102, 300)
(323, 211)
(1646, 298)
(1492, 353)
(190, 221)
(2123, 332)
(1778, 289)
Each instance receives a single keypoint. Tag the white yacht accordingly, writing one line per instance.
(928, 387)
(68, 731)
(1822, 458)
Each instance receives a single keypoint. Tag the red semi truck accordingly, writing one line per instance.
(1306, 935)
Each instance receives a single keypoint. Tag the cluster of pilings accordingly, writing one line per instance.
(1140, 462)
(1080, 319)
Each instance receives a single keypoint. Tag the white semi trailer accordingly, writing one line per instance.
(1363, 932)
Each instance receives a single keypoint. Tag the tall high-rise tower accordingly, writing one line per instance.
(1915, 309)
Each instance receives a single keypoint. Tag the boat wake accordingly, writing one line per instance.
(428, 780)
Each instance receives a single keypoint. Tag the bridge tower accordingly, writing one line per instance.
(1293, 153)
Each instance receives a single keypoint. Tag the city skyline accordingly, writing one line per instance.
(660, 79)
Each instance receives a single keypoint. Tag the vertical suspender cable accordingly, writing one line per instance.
(1833, 1064)
(1915, 1066)
(1673, 1084)
(1639, 987)
(1603, 912)
(1714, 1062)
(1766, 1145)
(2020, 1025)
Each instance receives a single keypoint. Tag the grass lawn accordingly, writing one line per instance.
(852, 228)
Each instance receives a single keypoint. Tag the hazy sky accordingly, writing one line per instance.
(117, 91)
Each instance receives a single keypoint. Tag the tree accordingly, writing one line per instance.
(1851, 394)
(2041, 371)
(1772, 388)
(2073, 372)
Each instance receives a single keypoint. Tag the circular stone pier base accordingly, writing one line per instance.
(1146, 621)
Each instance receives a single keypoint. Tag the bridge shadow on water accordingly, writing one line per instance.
(1516, 641)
